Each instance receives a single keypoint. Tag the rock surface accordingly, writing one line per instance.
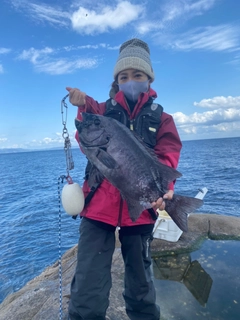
(39, 299)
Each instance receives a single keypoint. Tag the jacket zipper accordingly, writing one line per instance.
(131, 127)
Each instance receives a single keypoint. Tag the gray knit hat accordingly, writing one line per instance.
(134, 54)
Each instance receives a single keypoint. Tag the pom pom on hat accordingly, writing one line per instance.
(134, 54)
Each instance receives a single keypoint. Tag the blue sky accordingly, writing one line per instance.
(48, 45)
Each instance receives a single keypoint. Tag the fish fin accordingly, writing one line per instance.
(179, 207)
(163, 175)
(106, 159)
(173, 173)
(146, 147)
(134, 208)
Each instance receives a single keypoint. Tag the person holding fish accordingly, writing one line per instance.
(132, 102)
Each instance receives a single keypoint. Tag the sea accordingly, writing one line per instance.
(34, 229)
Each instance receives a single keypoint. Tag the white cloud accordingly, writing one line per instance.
(88, 21)
(91, 46)
(212, 38)
(48, 140)
(222, 130)
(87, 46)
(223, 120)
(213, 132)
(91, 19)
(172, 13)
(43, 12)
(4, 50)
(185, 8)
(43, 62)
(51, 141)
(34, 55)
(228, 127)
(208, 117)
(50, 14)
(219, 102)
(64, 66)
(146, 26)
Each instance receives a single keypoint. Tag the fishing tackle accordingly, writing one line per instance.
(72, 194)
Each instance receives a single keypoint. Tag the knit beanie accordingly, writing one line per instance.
(134, 54)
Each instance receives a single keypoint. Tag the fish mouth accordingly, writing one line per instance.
(90, 132)
(99, 141)
(87, 145)
(90, 143)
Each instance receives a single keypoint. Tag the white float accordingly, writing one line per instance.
(72, 199)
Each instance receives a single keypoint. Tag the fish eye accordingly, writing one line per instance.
(97, 122)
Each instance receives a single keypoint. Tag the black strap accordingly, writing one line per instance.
(91, 193)
(153, 214)
(89, 196)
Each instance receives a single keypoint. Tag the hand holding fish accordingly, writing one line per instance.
(160, 203)
(76, 97)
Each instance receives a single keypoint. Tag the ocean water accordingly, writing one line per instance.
(29, 201)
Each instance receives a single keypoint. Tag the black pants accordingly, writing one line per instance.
(92, 281)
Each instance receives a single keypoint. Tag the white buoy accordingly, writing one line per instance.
(72, 199)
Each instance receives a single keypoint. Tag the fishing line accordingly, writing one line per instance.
(60, 179)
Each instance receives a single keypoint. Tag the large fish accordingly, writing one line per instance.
(131, 167)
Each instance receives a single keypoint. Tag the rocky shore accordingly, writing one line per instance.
(39, 299)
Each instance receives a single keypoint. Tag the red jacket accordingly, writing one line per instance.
(107, 205)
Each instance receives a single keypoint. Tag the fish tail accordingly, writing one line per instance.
(179, 207)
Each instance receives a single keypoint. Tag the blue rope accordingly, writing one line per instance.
(59, 247)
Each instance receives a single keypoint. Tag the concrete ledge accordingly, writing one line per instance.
(39, 299)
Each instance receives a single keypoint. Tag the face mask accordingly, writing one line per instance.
(132, 89)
